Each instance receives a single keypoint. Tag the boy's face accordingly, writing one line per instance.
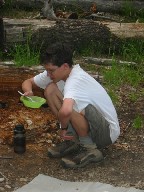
(57, 73)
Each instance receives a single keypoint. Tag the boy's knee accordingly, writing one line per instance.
(50, 89)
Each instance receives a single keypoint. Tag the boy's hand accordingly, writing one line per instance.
(28, 93)
(63, 134)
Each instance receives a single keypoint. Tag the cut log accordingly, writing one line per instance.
(126, 30)
(101, 5)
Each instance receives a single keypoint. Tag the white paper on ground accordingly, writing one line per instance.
(43, 183)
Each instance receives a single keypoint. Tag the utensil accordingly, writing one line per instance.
(26, 96)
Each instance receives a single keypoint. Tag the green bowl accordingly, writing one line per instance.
(39, 101)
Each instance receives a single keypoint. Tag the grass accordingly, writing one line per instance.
(133, 50)
(119, 75)
(122, 74)
(130, 12)
(25, 55)
(137, 122)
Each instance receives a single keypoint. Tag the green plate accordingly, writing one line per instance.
(39, 101)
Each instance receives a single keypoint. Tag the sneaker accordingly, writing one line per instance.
(83, 156)
(64, 148)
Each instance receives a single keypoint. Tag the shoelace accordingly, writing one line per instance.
(65, 143)
(79, 150)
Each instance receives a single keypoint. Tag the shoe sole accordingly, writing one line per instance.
(82, 164)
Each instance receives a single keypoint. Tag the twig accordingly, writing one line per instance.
(6, 157)
(3, 176)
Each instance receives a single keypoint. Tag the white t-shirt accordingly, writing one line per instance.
(42, 80)
(85, 90)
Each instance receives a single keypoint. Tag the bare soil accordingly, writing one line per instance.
(123, 164)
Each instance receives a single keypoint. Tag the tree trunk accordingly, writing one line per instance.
(101, 5)
(1, 2)
(1, 35)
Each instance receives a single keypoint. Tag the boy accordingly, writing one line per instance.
(81, 105)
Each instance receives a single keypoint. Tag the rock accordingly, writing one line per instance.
(8, 186)
(2, 189)
(1, 179)
(23, 179)
(29, 122)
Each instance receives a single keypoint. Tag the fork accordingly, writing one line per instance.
(26, 96)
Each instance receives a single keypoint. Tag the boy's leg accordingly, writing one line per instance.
(81, 125)
(100, 135)
(54, 99)
(87, 151)
(99, 127)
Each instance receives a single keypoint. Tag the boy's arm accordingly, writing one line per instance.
(27, 86)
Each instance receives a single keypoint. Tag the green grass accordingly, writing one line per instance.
(90, 48)
(130, 12)
(25, 54)
(119, 75)
(138, 122)
(133, 50)
(133, 96)
(128, 9)
(123, 74)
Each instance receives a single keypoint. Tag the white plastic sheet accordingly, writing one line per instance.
(43, 183)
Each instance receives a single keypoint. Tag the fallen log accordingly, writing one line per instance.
(107, 62)
(116, 6)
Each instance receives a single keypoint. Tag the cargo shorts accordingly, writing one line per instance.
(99, 127)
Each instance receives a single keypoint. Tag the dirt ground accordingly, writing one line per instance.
(123, 164)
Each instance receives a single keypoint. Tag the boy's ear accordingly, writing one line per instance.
(65, 65)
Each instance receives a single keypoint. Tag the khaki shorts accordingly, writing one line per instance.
(99, 127)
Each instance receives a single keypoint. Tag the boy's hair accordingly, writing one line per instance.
(58, 54)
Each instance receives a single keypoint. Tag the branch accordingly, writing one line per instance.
(47, 10)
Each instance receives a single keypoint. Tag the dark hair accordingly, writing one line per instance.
(58, 54)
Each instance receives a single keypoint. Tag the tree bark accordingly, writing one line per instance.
(85, 5)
